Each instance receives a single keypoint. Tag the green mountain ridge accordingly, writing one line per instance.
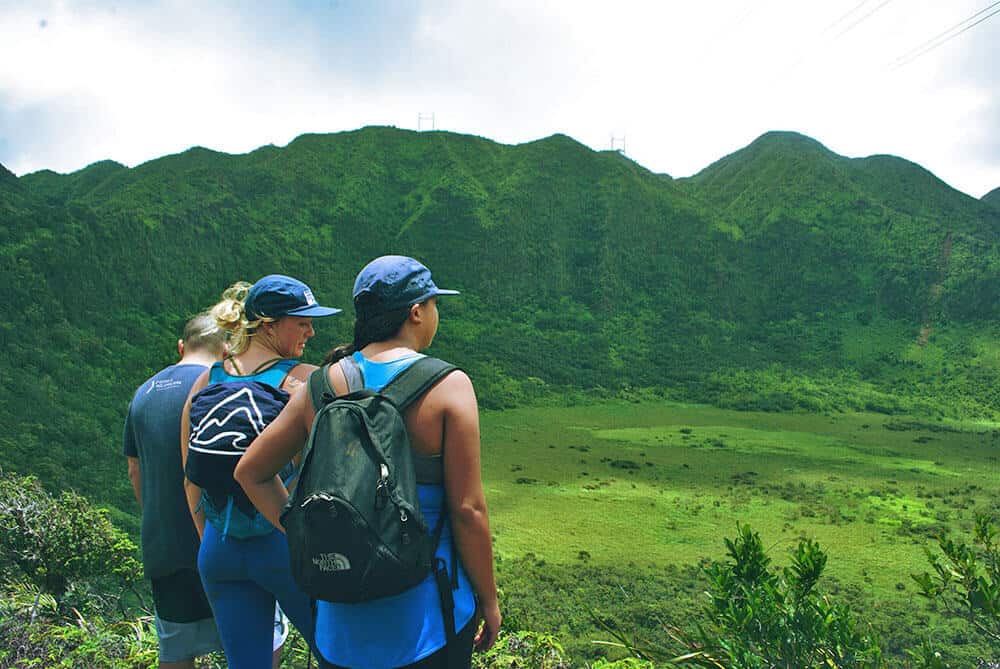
(580, 270)
(993, 197)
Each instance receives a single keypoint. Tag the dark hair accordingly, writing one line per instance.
(369, 328)
(202, 334)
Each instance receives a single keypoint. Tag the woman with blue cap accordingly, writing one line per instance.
(395, 302)
(243, 560)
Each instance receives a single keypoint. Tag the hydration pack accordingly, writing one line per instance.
(226, 416)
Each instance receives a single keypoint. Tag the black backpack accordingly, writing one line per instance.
(355, 531)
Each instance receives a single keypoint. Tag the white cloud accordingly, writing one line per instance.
(685, 83)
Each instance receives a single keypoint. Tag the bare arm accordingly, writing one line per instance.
(280, 442)
(191, 491)
(467, 501)
(133, 476)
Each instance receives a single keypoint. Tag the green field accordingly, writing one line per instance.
(638, 487)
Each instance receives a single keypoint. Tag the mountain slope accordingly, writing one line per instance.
(579, 269)
(868, 234)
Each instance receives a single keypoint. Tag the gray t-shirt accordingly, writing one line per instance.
(153, 434)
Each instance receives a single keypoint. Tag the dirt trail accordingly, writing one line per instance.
(927, 329)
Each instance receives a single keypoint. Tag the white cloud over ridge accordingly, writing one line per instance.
(684, 83)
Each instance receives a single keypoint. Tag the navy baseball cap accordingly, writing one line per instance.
(394, 282)
(278, 295)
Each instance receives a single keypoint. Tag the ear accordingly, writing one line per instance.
(416, 313)
(180, 348)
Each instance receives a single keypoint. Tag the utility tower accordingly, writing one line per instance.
(425, 118)
(618, 144)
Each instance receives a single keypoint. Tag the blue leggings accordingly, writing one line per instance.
(242, 578)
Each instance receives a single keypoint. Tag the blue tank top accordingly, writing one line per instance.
(404, 628)
(273, 376)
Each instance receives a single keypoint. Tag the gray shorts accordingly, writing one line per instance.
(185, 641)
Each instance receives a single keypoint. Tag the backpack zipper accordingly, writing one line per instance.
(382, 486)
(315, 497)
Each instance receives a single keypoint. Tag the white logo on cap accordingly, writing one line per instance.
(308, 294)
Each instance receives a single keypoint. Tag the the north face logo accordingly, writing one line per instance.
(332, 562)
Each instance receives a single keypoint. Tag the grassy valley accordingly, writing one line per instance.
(639, 493)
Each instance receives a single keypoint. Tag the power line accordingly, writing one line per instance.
(860, 21)
(941, 38)
(808, 53)
(842, 18)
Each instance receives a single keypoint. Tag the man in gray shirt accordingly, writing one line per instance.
(184, 621)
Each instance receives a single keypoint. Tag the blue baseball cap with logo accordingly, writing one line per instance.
(394, 282)
(277, 295)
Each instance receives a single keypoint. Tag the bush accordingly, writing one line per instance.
(523, 650)
(759, 617)
(966, 579)
(55, 541)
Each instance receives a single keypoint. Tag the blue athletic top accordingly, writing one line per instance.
(273, 376)
(404, 628)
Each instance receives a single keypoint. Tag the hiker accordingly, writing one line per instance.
(182, 615)
(243, 561)
(395, 304)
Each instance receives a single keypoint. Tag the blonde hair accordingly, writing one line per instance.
(202, 333)
(230, 315)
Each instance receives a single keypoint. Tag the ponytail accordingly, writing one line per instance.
(369, 329)
(230, 316)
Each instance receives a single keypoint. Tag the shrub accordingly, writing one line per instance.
(759, 617)
(966, 579)
(56, 540)
(523, 650)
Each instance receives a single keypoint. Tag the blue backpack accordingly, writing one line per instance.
(226, 416)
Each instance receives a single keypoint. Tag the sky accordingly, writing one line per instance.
(677, 85)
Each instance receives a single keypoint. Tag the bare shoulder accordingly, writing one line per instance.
(454, 391)
(298, 376)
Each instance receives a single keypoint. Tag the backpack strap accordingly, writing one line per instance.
(217, 373)
(320, 391)
(415, 380)
(276, 373)
(352, 373)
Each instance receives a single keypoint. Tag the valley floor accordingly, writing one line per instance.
(642, 487)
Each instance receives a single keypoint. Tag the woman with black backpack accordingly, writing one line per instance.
(243, 560)
(395, 302)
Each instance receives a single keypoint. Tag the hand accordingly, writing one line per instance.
(489, 614)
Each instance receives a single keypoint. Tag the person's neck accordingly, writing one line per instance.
(254, 357)
(391, 349)
(203, 358)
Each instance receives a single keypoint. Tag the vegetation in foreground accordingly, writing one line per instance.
(756, 616)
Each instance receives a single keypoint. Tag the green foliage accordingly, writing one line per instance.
(624, 663)
(523, 650)
(992, 198)
(966, 578)
(760, 617)
(55, 541)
